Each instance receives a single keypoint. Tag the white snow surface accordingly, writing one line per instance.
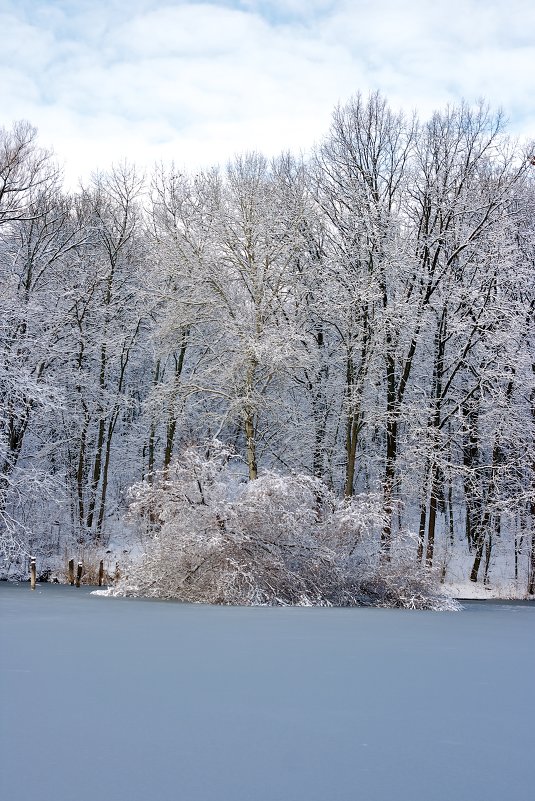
(503, 590)
(135, 700)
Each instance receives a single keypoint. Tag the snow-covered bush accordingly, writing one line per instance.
(284, 540)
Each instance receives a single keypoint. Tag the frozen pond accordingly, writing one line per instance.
(131, 700)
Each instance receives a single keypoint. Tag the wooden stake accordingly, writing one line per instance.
(79, 573)
(71, 572)
(100, 572)
(33, 572)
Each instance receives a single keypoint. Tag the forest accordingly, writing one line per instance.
(352, 330)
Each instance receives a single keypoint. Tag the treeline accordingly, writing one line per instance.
(365, 316)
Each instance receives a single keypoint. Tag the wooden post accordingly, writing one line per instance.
(33, 572)
(100, 572)
(78, 573)
(71, 572)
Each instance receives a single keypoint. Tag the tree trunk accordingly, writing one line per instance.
(152, 430)
(392, 412)
(470, 413)
(250, 452)
(80, 472)
(97, 465)
(388, 492)
(423, 513)
(480, 538)
(531, 573)
(171, 419)
(451, 521)
(433, 506)
(353, 430)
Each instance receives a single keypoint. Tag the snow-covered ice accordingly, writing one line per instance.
(133, 700)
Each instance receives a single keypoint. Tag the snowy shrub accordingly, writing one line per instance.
(284, 540)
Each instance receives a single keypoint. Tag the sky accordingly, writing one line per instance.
(195, 82)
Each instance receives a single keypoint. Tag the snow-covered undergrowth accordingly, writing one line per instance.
(278, 540)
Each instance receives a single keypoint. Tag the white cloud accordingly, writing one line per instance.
(194, 81)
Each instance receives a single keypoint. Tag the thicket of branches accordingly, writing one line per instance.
(364, 318)
(214, 537)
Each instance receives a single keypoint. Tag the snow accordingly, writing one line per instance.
(502, 590)
(501, 581)
(134, 700)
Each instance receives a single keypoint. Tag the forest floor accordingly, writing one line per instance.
(468, 590)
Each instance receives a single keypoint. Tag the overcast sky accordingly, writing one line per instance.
(197, 81)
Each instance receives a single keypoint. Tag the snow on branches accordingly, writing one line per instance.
(278, 540)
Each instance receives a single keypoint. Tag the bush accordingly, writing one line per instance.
(278, 540)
